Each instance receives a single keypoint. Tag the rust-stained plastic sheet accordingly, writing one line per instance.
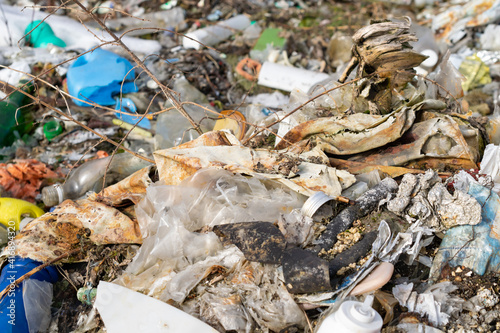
(438, 137)
(356, 133)
(133, 188)
(61, 231)
(290, 169)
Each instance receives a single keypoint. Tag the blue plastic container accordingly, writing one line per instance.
(12, 311)
(127, 105)
(98, 76)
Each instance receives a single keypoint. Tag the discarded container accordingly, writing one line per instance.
(98, 76)
(124, 310)
(42, 35)
(12, 211)
(26, 308)
(89, 176)
(128, 105)
(13, 115)
(172, 128)
(288, 78)
(214, 34)
(353, 316)
(139, 25)
(51, 129)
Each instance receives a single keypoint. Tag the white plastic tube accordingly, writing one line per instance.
(215, 34)
(288, 78)
(351, 317)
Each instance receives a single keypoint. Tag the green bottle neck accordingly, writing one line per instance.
(17, 98)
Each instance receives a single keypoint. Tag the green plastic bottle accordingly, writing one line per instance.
(13, 116)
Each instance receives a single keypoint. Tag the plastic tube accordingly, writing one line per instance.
(89, 177)
(215, 34)
(288, 78)
(353, 316)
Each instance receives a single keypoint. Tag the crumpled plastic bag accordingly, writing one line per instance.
(255, 295)
(436, 301)
(172, 220)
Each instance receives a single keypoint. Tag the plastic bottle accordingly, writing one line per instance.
(353, 316)
(167, 19)
(214, 34)
(98, 76)
(42, 35)
(172, 128)
(26, 308)
(13, 116)
(88, 177)
(288, 78)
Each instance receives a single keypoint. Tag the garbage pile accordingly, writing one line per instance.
(249, 167)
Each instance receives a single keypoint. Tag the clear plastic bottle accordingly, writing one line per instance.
(214, 34)
(89, 177)
(172, 128)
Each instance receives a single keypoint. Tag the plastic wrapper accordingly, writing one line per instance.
(169, 217)
(252, 296)
(438, 136)
(476, 247)
(290, 169)
(447, 77)
(70, 221)
(222, 306)
(37, 297)
(436, 302)
(490, 165)
(351, 134)
(475, 71)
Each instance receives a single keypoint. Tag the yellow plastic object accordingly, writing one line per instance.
(12, 210)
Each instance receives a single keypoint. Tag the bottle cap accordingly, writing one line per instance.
(52, 195)
(52, 129)
(359, 317)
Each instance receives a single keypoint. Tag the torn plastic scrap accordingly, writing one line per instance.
(59, 232)
(351, 134)
(306, 178)
(476, 247)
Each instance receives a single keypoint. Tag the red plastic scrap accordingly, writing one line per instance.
(23, 178)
